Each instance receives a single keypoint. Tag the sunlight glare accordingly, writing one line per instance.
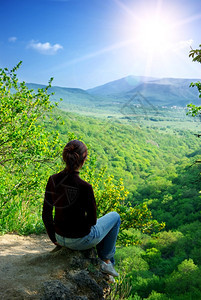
(154, 34)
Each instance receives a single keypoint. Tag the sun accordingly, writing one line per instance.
(154, 34)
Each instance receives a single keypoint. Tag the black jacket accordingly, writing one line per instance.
(73, 201)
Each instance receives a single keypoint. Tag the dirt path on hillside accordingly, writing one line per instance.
(13, 250)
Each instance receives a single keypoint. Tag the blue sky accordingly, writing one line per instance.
(86, 43)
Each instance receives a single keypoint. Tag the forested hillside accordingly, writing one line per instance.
(142, 163)
(133, 153)
(159, 168)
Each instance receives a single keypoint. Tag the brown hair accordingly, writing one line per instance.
(73, 154)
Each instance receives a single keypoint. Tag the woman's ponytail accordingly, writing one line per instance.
(74, 154)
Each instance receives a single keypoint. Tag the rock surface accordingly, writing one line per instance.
(54, 275)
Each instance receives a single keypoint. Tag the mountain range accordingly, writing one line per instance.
(155, 91)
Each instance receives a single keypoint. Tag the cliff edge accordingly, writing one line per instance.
(46, 272)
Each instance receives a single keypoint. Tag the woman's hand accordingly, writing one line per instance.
(57, 244)
(57, 248)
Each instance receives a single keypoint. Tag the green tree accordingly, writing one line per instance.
(195, 54)
(25, 148)
(21, 137)
(185, 280)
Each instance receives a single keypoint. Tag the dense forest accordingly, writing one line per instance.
(160, 168)
(146, 168)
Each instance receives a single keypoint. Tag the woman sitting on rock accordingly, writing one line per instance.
(75, 224)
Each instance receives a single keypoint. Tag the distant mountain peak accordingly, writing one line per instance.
(156, 91)
(121, 85)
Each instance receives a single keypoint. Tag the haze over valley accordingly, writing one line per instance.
(159, 92)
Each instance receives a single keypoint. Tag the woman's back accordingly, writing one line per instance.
(74, 203)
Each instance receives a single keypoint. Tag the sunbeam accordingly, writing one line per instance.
(94, 54)
(187, 20)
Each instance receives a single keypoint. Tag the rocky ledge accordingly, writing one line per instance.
(59, 274)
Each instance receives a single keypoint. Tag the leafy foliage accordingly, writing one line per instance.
(194, 110)
(25, 150)
(195, 54)
(20, 108)
(176, 198)
(159, 268)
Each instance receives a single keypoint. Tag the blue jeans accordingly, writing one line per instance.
(103, 235)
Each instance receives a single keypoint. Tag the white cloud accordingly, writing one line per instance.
(12, 39)
(45, 48)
